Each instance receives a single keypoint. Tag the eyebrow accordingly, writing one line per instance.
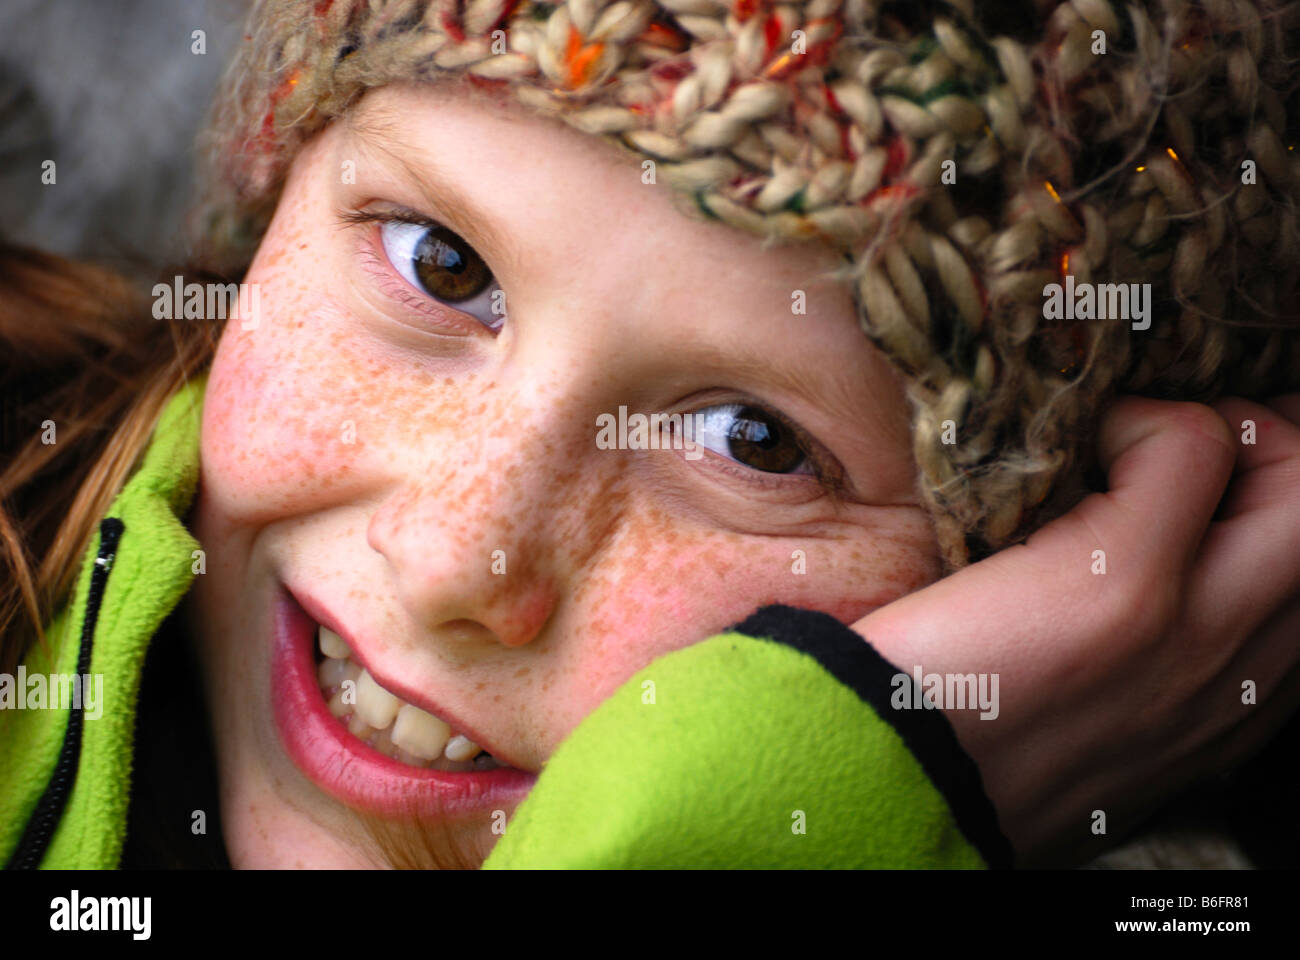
(379, 131)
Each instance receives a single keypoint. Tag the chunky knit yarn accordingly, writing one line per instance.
(1142, 142)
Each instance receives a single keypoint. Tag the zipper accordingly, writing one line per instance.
(40, 828)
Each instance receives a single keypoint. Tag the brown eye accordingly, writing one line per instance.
(753, 437)
(448, 268)
(441, 264)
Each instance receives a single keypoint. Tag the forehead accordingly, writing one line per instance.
(451, 133)
(405, 109)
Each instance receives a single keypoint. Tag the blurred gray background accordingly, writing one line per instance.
(112, 91)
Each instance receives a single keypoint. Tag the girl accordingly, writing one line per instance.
(434, 621)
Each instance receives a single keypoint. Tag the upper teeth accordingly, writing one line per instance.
(332, 645)
(421, 733)
(393, 726)
(375, 705)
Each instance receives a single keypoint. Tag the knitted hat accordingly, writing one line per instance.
(961, 156)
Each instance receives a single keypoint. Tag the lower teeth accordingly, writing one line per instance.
(381, 740)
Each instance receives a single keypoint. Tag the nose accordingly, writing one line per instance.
(468, 535)
(466, 566)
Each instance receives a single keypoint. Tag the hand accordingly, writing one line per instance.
(1117, 689)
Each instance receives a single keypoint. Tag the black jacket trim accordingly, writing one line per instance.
(928, 734)
(49, 810)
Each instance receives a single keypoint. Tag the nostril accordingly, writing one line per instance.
(465, 631)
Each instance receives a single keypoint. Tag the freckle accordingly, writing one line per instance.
(479, 686)
(523, 671)
(497, 698)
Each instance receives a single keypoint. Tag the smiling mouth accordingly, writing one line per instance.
(373, 750)
(384, 721)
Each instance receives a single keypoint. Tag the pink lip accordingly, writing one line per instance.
(353, 772)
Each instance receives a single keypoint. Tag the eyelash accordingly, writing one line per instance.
(387, 216)
(826, 470)
(393, 285)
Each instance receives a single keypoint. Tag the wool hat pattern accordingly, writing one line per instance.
(961, 156)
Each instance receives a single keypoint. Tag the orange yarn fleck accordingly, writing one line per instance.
(782, 66)
(285, 88)
(580, 61)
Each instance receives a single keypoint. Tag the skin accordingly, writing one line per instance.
(1179, 662)
(469, 441)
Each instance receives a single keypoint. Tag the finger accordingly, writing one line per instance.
(1168, 464)
(1249, 561)
(1264, 436)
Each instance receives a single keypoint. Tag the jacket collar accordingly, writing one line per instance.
(63, 802)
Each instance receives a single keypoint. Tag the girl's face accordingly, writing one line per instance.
(411, 448)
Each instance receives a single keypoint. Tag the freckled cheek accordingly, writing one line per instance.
(655, 599)
(280, 424)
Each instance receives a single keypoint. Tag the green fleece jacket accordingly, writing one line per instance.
(770, 745)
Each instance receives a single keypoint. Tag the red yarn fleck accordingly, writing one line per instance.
(772, 33)
(660, 35)
(983, 294)
(451, 24)
(833, 102)
(268, 127)
(487, 83)
(742, 10)
(895, 157)
(844, 142)
(819, 53)
(670, 70)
